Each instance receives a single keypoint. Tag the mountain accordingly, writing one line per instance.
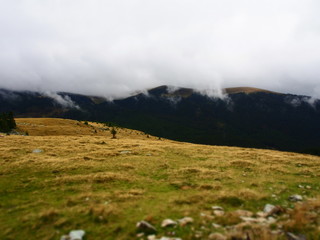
(244, 117)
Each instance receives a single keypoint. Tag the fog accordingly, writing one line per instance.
(113, 48)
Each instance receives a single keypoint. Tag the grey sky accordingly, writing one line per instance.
(111, 48)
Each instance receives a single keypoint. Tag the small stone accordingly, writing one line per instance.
(77, 234)
(139, 235)
(254, 220)
(291, 236)
(146, 227)
(168, 223)
(308, 187)
(216, 225)
(65, 237)
(300, 186)
(125, 152)
(276, 232)
(217, 208)
(217, 236)
(37, 151)
(295, 198)
(261, 214)
(271, 220)
(169, 238)
(244, 213)
(152, 237)
(218, 213)
(268, 208)
(198, 234)
(186, 220)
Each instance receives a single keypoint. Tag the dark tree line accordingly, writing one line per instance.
(7, 122)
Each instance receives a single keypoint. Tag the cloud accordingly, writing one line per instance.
(8, 95)
(64, 101)
(112, 48)
(297, 101)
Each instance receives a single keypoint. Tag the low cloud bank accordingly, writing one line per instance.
(113, 48)
(64, 101)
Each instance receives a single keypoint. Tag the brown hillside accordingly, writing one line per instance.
(66, 127)
(247, 90)
(64, 176)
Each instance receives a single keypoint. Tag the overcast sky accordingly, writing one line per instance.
(113, 47)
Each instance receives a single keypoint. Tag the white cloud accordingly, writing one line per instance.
(64, 101)
(111, 48)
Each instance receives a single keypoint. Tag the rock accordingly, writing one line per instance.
(146, 227)
(261, 214)
(125, 152)
(291, 236)
(218, 213)
(308, 187)
(216, 225)
(271, 220)
(77, 234)
(217, 208)
(243, 213)
(65, 237)
(168, 223)
(254, 220)
(217, 236)
(198, 234)
(169, 238)
(203, 215)
(152, 237)
(74, 235)
(184, 221)
(37, 151)
(295, 198)
(277, 232)
(139, 235)
(268, 208)
(276, 210)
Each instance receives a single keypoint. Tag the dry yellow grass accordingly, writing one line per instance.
(247, 90)
(85, 179)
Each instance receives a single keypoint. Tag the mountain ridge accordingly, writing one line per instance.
(247, 117)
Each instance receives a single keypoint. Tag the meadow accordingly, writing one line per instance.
(68, 175)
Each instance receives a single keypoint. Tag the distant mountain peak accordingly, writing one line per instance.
(246, 90)
(172, 91)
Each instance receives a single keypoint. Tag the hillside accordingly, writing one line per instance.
(67, 175)
(245, 117)
(246, 90)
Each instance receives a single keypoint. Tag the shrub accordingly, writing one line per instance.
(113, 132)
(7, 122)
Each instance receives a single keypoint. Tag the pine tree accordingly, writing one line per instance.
(7, 122)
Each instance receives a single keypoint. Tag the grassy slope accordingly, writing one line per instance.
(84, 180)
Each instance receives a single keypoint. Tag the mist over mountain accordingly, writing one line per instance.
(246, 117)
